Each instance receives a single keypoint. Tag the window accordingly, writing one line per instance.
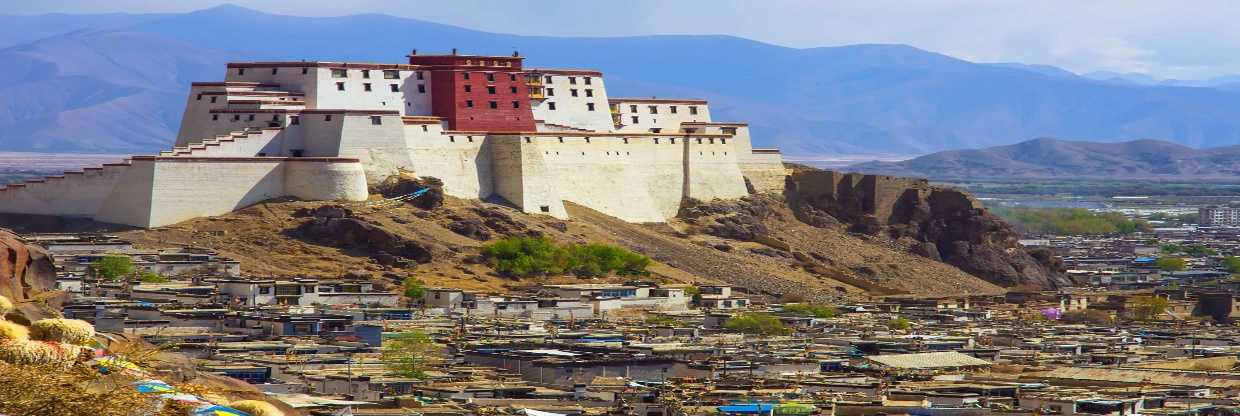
(512, 77)
(199, 97)
(634, 118)
(469, 103)
(589, 106)
(305, 71)
(491, 89)
(215, 117)
(366, 86)
(572, 80)
(654, 109)
(512, 90)
(573, 92)
(589, 92)
(236, 117)
(493, 104)
(263, 290)
(419, 74)
(729, 130)
(213, 100)
(365, 73)
(275, 70)
(672, 109)
(275, 118)
(327, 117)
(693, 110)
(632, 108)
(550, 92)
(376, 120)
(424, 128)
(587, 80)
(294, 120)
(490, 77)
(422, 88)
(548, 79)
(391, 74)
(465, 74)
(339, 86)
(551, 106)
(544, 208)
(516, 104)
(656, 130)
(240, 71)
(469, 88)
(339, 73)
(394, 87)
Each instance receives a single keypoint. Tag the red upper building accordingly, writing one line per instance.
(478, 93)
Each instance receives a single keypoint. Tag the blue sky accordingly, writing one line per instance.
(1185, 40)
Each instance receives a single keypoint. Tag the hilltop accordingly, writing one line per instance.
(1055, 158)
(844, 236)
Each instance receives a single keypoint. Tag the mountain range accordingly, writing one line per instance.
(1053, 158)
(116, 83)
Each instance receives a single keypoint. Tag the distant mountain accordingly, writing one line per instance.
(818, 101)
(1053, 158)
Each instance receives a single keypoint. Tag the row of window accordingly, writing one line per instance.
(344, 73)
(589, 106)
(393, 87)
(654, 109)
(491, 104)
(490, 89)
(296, 120)
(572, 91)
(548, 153)
(571, 80)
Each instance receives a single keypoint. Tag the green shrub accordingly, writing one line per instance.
(1069, 221)
(538, 256)
(899, 324)
(414, 288)
(756, 323)
(149, 277)
(1171, 264)
(113, 267)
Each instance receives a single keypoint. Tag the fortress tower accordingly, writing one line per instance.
(486, 125)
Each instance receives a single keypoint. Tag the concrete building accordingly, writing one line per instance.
(485, 125)
(1215, 216)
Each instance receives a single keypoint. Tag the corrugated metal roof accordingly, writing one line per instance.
(949, 359)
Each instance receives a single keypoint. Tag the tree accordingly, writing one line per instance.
(409, 353)
(694, 294)
(899, 324)
(112, 267)
(1145, 308)
(756, 323)
(1231, 264)
(414, 288)
(538, 256)
(1171, 264)
(151, 277)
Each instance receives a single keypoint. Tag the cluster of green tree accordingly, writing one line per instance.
(756, 323)
(1193, 250)
(114, 267)
(1171, 264)
(1231, 264)
(538, 256)
(1069, 221)
(1087, 316)
(805, 309)
(899, 324)
(1145, 308)
(413, 288)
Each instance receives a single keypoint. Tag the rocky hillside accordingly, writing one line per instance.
(28, 278)
(820, 241)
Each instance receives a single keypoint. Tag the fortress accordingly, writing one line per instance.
(485, 125)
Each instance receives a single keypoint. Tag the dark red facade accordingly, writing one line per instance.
(478, 93)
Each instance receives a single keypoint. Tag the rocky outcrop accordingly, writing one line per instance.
(938, 223)
(27, 277)
(404, 184)
(335, 226)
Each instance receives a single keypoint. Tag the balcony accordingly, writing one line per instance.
(536, 93)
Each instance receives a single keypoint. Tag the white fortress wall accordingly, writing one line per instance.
(665, 116)
(129, 202)
(378, 140)
(463, 161)
(637, 179)
(713, 170)
(570, 110)
(314, 179)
